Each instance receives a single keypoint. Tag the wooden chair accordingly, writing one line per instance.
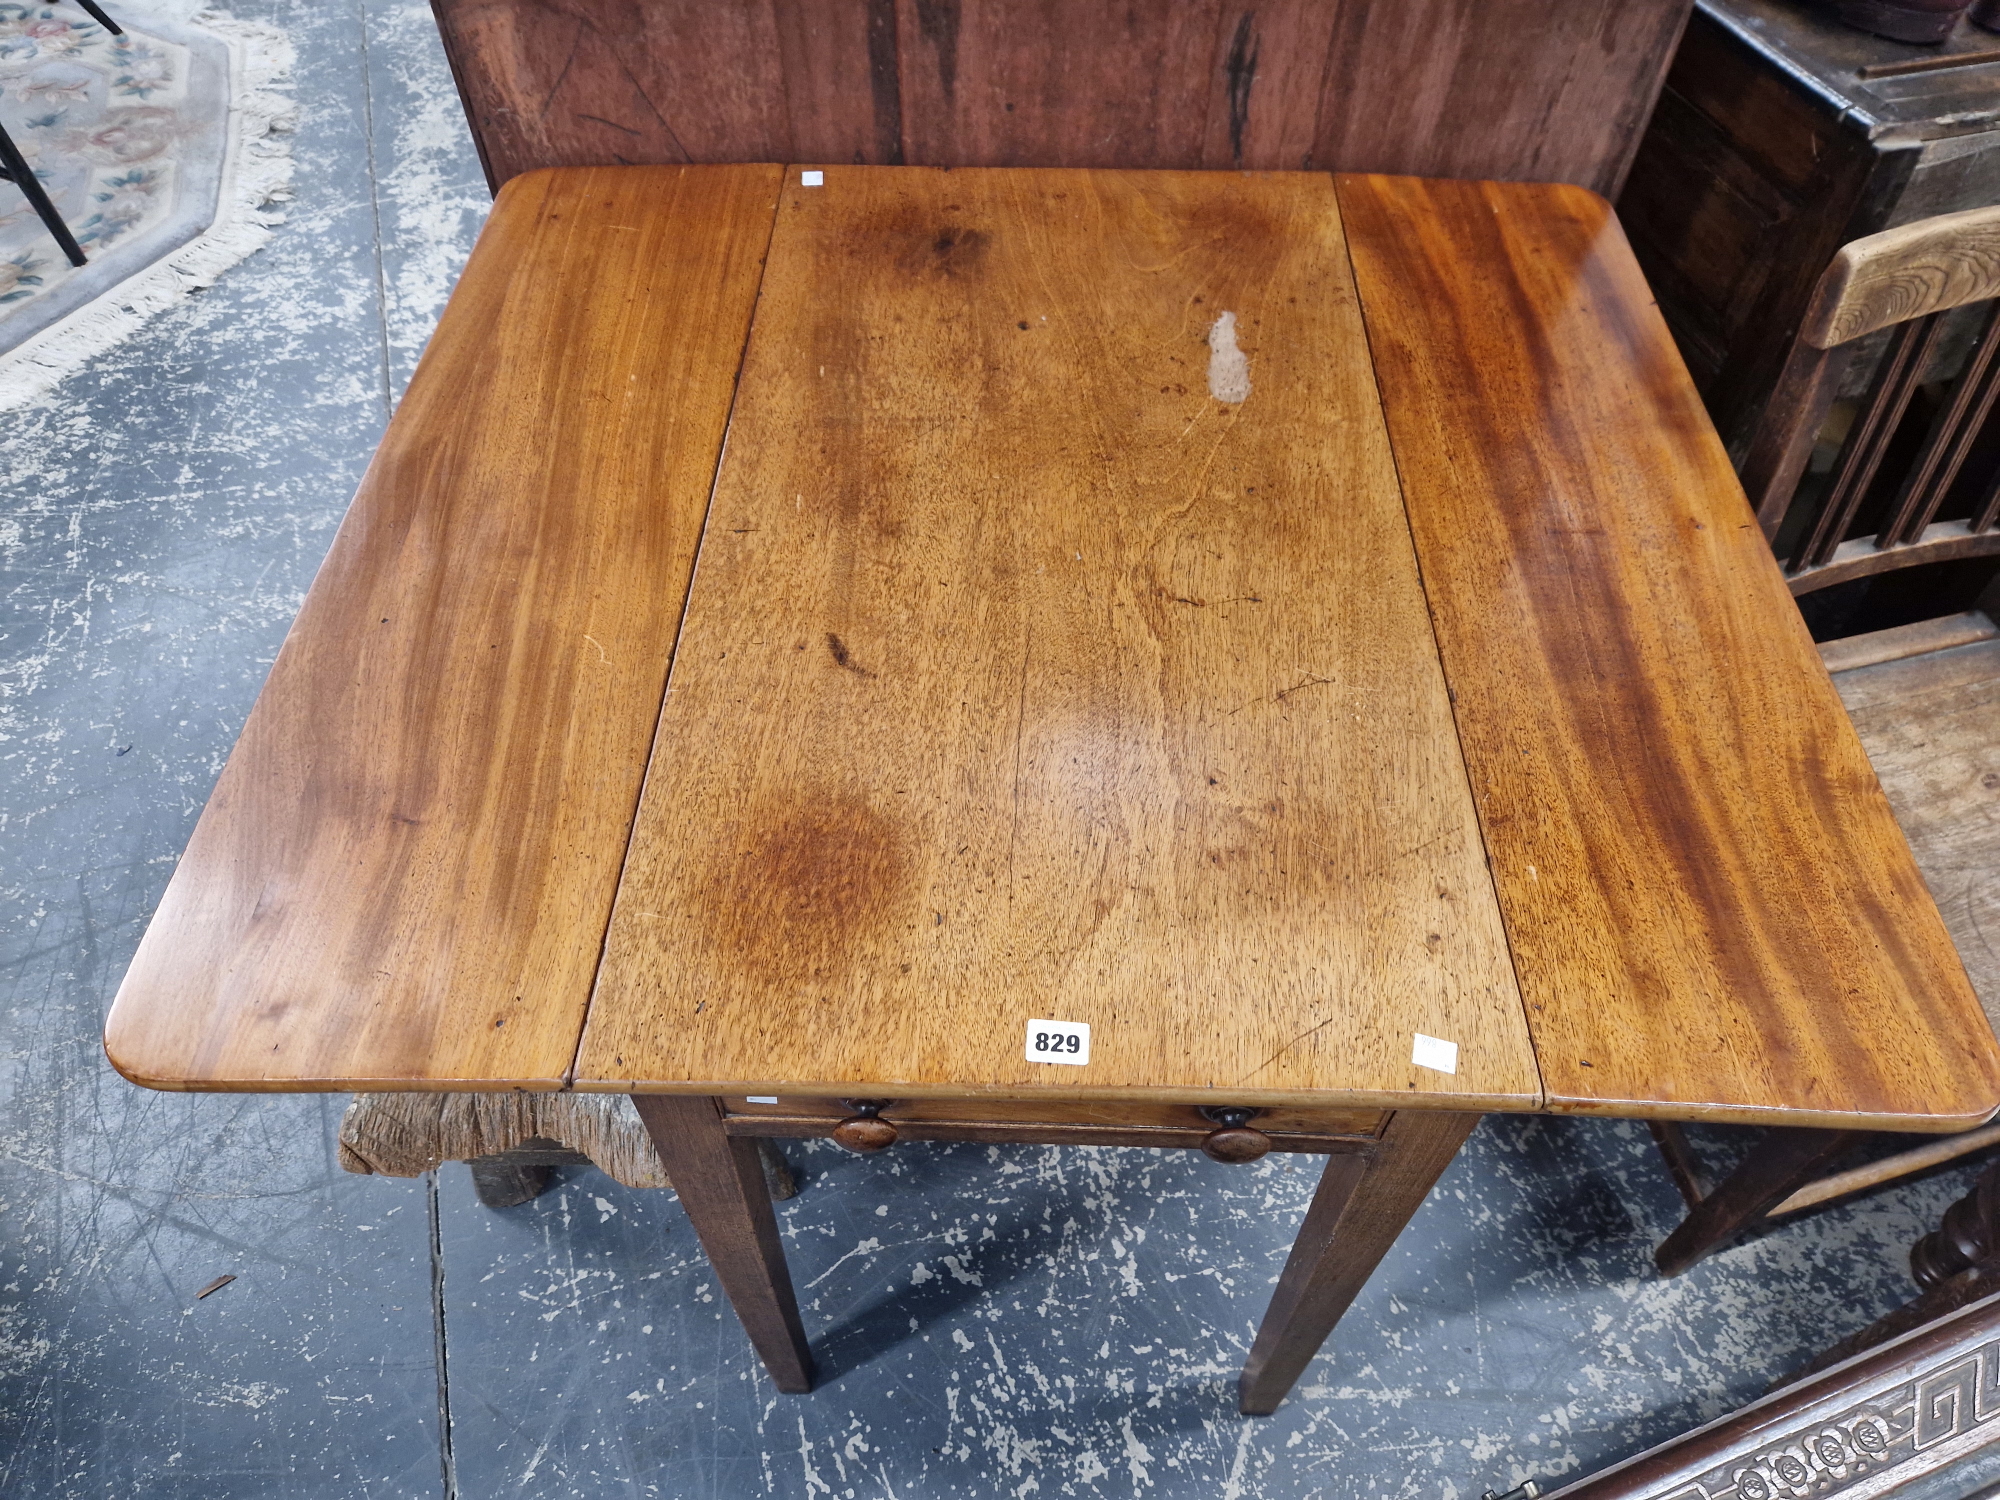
(1909, 511)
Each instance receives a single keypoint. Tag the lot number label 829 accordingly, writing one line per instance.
(1059, 1042)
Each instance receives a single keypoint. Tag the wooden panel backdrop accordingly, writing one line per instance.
(1514, 89)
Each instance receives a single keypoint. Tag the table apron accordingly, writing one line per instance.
(801, 1127)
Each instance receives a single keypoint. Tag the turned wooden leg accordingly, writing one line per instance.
(1363, 1202)
(721, 1185)
(1776, 1169)
(1969, 1234)
(1957, 1264)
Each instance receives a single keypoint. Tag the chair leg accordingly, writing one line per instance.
(1362, 1204)
(722, 1186)
(15, 169)
(97, 15)
(1775, 1170)
(1681, 1164)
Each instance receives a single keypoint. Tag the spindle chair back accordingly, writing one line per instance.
(1906, 281)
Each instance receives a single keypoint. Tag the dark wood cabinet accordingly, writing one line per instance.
(1780, 136)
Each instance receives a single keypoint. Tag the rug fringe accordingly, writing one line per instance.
(256, 183)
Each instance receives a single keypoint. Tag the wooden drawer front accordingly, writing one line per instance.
(1055, 1122)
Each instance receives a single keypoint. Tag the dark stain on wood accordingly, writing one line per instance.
(1755, 939)
(804, 892)
(956, 251)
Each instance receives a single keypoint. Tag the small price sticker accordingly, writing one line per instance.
(1059, 1042)
(1434, 1053)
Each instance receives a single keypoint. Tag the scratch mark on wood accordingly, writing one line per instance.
(1283, 693)
(1020, 722)
(548, 101)
(600, 120)
(1308, 1032)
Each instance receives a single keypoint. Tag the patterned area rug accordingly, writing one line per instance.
(166, 152)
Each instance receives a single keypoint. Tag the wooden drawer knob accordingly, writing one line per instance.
(1235, 1141)
(864, 1130)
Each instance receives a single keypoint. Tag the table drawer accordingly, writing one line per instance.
(1291, 1128)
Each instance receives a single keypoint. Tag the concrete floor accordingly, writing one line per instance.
(996, 1321)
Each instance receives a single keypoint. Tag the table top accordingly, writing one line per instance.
(1028, 655)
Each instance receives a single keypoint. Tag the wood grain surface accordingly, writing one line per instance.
(403, 877)
(1024, 679)
(1475, 88)
(1931, 726)
(1934, 1152)
(1118, 1122)
(1355, 85)
(1937, 263)
(620, 82)
(1711, 909)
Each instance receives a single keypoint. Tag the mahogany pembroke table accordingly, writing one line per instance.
(1254, 661)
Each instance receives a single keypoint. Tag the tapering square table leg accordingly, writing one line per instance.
(720, 1180)
(1362, 1204)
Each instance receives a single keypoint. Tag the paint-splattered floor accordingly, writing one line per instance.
(1018, 1321)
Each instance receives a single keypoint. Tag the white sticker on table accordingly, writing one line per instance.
(1059, 1042)
(811, 179)
(1435, 1053)
(760, 1098)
